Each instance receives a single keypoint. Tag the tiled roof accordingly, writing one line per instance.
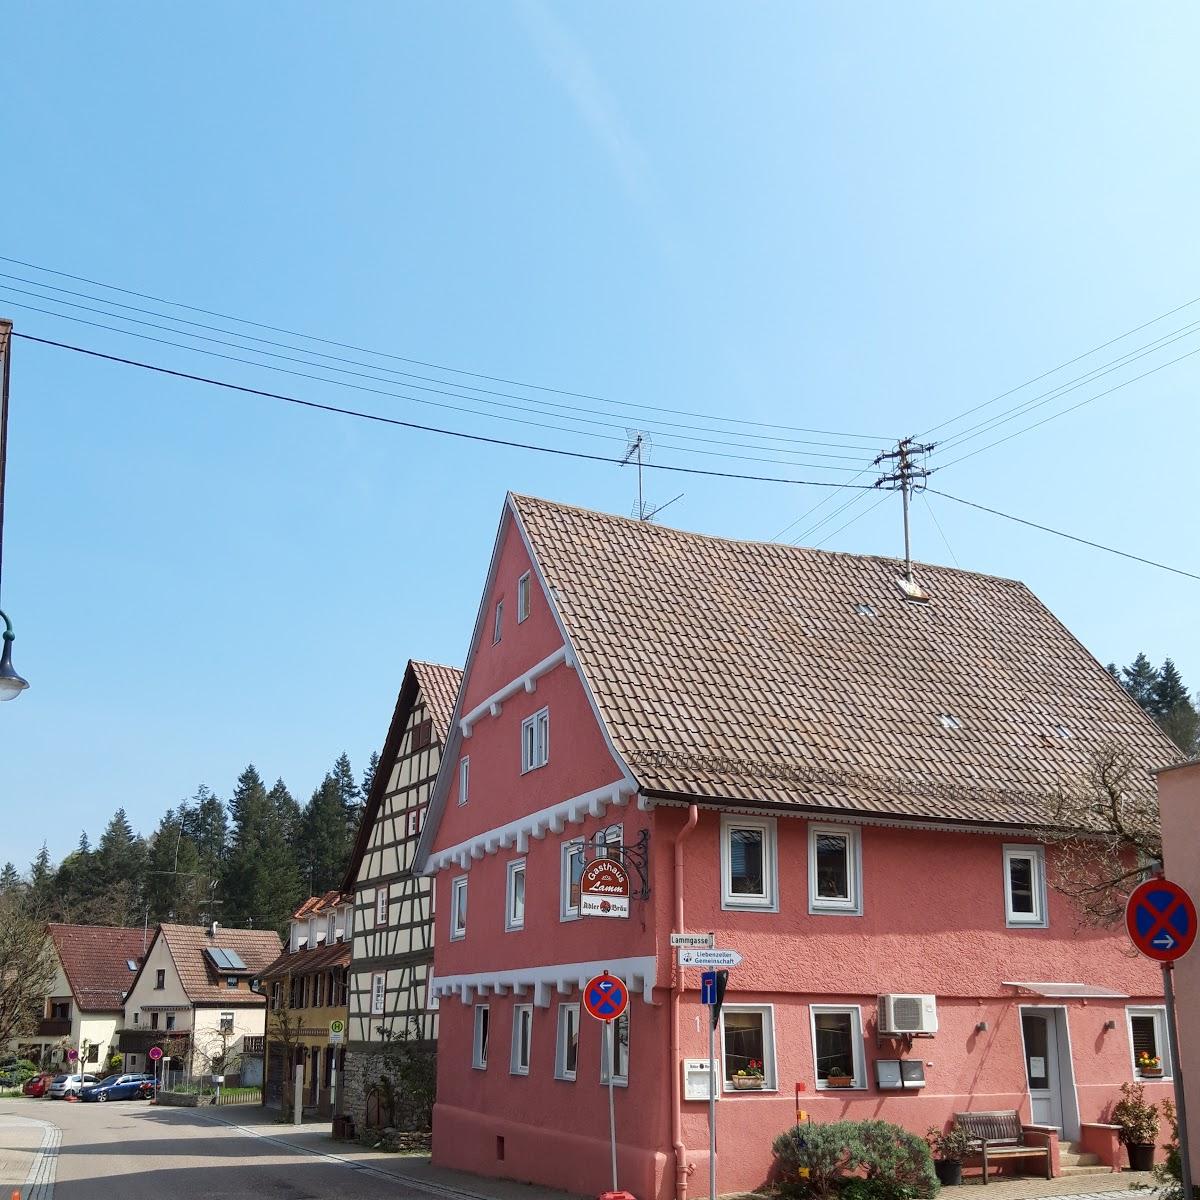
(309, 962)
(756, 673)
(439, 689)
(318, 904)
(257, 948)
(95, 959)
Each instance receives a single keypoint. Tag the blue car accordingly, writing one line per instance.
(119, 1087)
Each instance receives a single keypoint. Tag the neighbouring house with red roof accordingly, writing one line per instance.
(849, 786)
(84, 1009)
(393, 908)
(194, 997)
(306, 992)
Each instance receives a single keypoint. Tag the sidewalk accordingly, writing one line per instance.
(315, 1137)
(1083, 1187)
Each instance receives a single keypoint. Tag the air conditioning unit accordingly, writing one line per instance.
(901, 1014)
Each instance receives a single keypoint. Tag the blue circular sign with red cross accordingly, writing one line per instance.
(1161, 920)
(605, 997)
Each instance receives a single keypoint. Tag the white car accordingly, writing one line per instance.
(69, 1085)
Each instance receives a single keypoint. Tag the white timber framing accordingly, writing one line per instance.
(543, 982)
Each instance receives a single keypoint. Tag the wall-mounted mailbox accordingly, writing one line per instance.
(912, 1072)
(887, 1073)
(695, 1079)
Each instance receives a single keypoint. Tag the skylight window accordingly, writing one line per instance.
(949, 721)
(131, 964)
(1062, 731)
(865, 610)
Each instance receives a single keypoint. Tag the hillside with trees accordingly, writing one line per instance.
(1164, 697)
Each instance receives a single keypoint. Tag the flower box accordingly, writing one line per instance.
(839, 1081)
(748, 1083)
(1150, 1072)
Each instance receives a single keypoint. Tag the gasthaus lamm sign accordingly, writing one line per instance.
(604, 889)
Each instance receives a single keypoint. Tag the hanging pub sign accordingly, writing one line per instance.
(604, 889)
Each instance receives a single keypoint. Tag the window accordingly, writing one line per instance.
(514, 904)
(834, 870)
(498, 623)
(458, 908)
(422, 734)
(464, 779)
(160, 980)
(381, 905)
(226, 1025)
(137, 1018)
(93, 1052)
(837, 1046)
(523, 598)
(522, 1036)
(1148, 1037)
(748, 1042)
(1024, 886)
(621, 1034)
(566, 1055)
(231, 981)
(480, 1041)
(331, 931)
(378, 989)
(154, 1020)
(535, 741)
(572, 875)
(170, 1020)
(748, 863)
(608, 841)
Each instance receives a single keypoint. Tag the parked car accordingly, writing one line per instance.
(69, 1085)
(116, 1087)
(39, 1085)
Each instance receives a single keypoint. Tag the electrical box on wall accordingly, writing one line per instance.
(695, 1079)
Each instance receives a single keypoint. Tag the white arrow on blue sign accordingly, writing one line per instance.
(709, 958)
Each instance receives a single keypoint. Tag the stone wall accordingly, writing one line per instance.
(364, 1100)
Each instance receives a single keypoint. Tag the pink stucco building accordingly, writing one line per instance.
(842, 783)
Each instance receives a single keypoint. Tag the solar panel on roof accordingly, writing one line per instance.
(225, 960)
(218, 956)
(235, 960)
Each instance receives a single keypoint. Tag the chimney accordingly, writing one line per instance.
(212, 933)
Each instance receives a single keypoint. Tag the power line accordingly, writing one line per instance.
(432, 365)
(856, 517)
(382, 420)
(938, 524)
(306, 356)
(1069, 536)
(820, 504)
(415, 399)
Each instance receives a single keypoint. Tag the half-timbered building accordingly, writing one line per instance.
(392, 952)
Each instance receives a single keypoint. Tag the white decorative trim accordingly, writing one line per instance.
(527, 683)
(547, 820)
(639, 974)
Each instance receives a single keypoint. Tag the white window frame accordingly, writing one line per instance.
(498, 623)
(521, 1012)
(856, 1045)
(567, 911)
(739, 900)
(464, 778)
(851, 906)
(1158, 1014)
(480, 1036)
(523, 586)
(512, 920)
(225, 1022)
(618, 1080)
(458, 930)
(535, 741)
(770, 1066)
(567, 1013)
(610, 835)
(378, 993)
(1038, 918)
(381, 905)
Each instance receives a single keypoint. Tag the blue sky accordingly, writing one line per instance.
(864, 219)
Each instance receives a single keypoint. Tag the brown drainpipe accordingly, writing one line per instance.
(681, 1167)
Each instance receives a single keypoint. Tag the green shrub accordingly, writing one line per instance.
(856, 1160)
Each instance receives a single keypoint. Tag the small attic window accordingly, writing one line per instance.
(1062, 731)
(131, 964)
(865, 610)
(949, 721)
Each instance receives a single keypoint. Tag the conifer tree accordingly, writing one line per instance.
(1139, 680)
(41, 882)
(207, 824)
(176, 885)
(325, 840)
(288, 813)
(348, 793)
(10, 878)
(368, 780)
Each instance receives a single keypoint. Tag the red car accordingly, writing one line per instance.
(37, 1085)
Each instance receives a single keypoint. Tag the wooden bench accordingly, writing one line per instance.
(1000, 1135)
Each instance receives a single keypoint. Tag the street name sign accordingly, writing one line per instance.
(694, 941)
(1161, 920)
(604, 889)
(709, 958)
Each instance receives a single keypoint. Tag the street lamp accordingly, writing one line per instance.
(11, 684)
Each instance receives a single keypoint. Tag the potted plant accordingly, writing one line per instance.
(949, 1148)
(1149, 1065)
(837, 1078)
(751, 1078)
(1138, 1125)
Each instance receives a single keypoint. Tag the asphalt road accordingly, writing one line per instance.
(136, 1151)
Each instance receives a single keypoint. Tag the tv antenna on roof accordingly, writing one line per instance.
(638, 451)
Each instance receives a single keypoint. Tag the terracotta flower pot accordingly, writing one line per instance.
(1150, 1072)
(840, 1081)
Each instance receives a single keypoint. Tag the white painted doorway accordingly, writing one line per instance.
(1048, 1069)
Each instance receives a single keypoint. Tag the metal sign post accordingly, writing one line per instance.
(606, 997)
(712, 993)
(1161, 920)
(612, 1105)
